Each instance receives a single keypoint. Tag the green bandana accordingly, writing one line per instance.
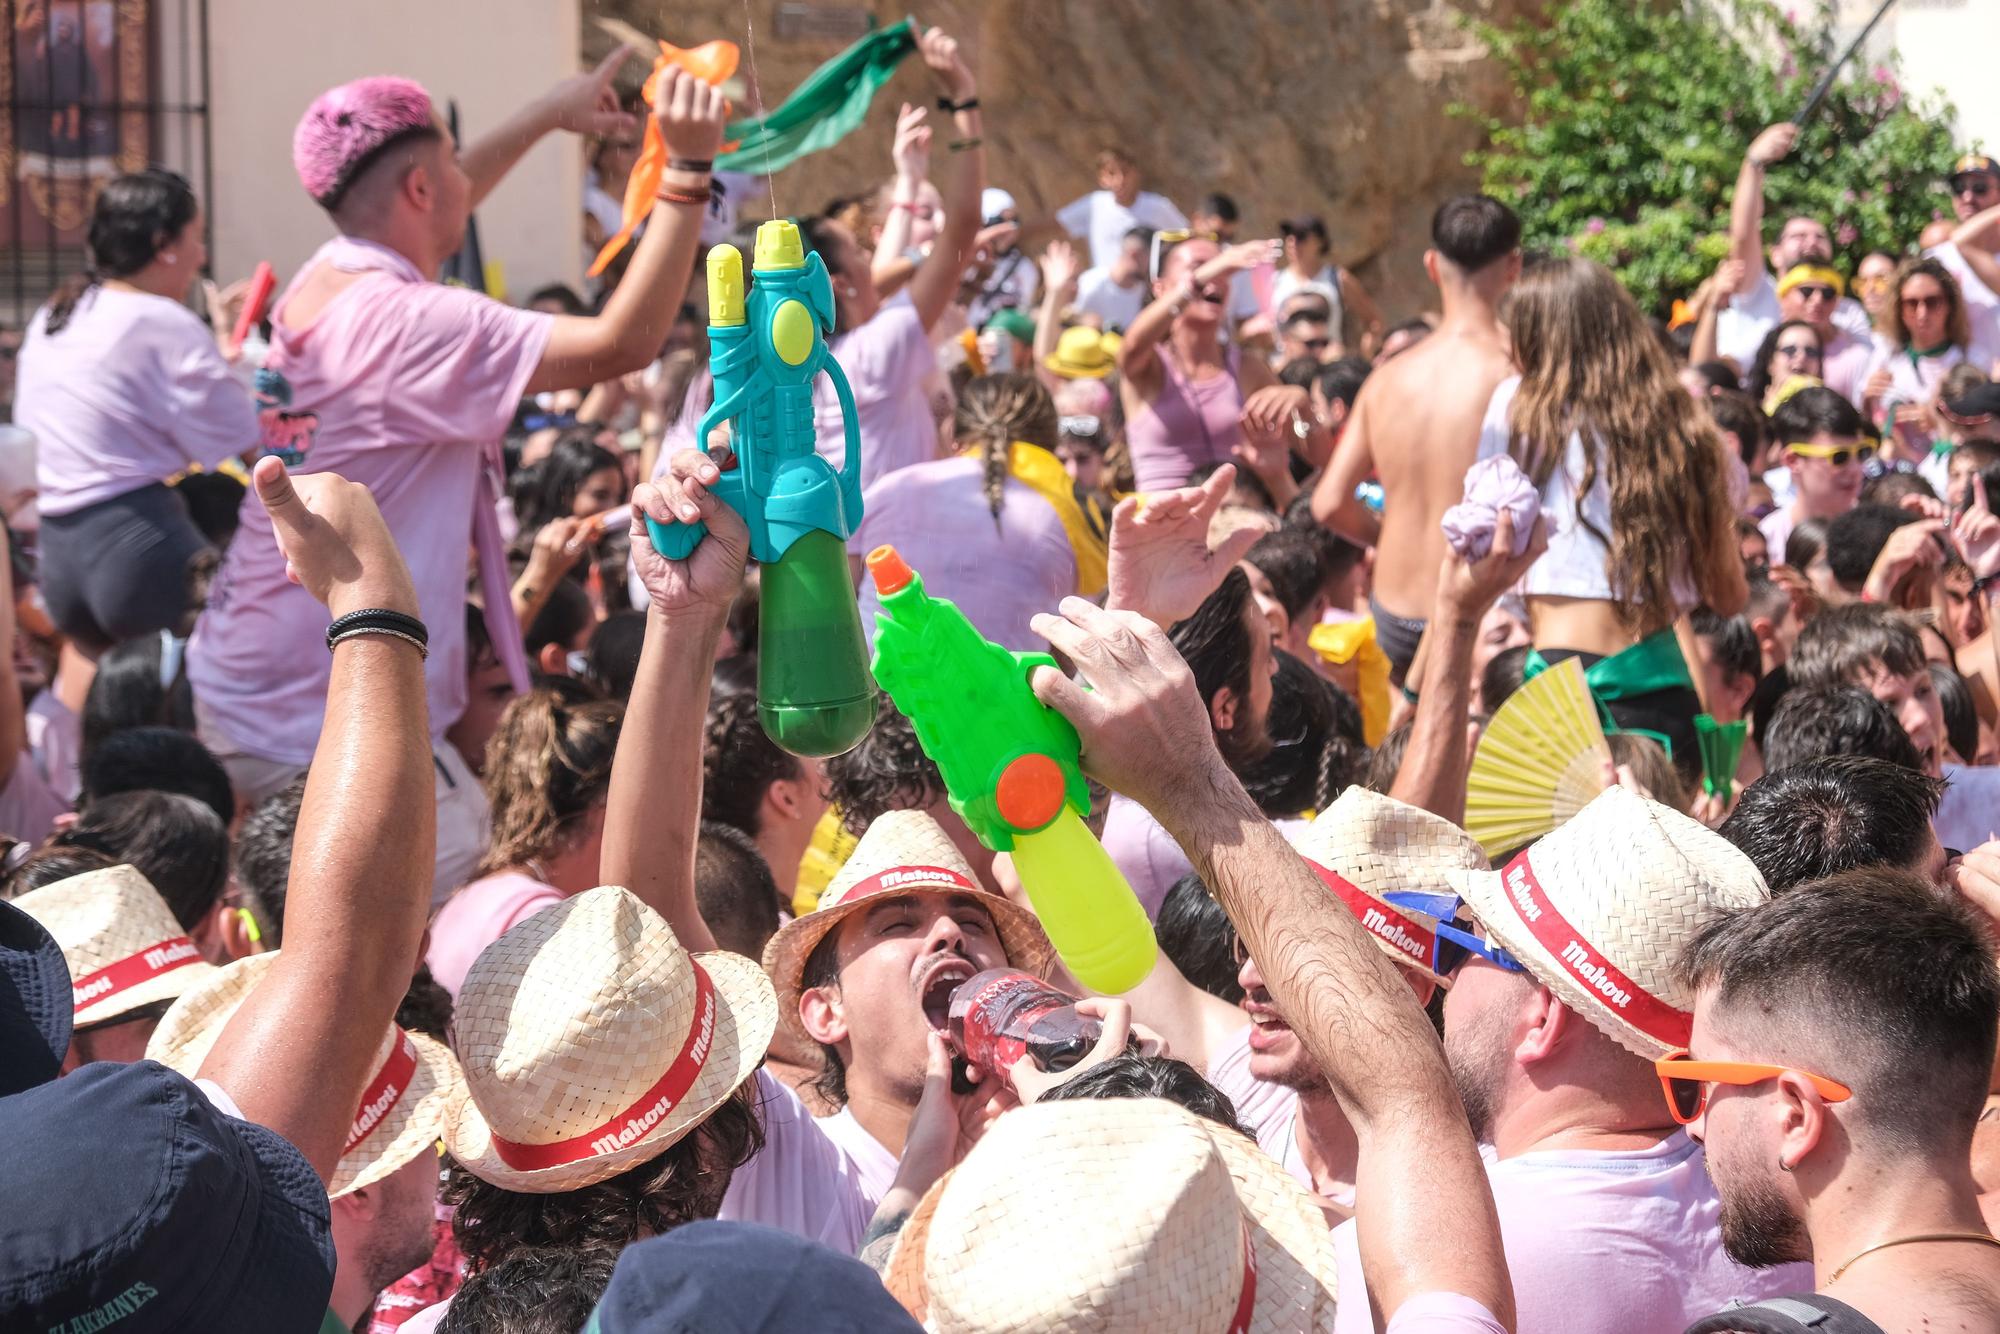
(826, 108)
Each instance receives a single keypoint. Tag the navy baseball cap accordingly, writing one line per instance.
(36, 1007)
(740, 1278)
(135, 1206)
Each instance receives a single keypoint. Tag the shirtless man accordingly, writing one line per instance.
(1415, 424)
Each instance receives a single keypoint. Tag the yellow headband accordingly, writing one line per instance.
(1812, 273)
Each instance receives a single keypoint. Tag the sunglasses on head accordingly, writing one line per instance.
(1082, 425)
(1837, 455)
(1454, 940)
(1685, 1081)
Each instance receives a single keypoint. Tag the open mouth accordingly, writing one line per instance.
(937, 984)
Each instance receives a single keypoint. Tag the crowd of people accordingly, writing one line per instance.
(642, 1022)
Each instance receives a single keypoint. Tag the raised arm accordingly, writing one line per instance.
(654, 810)
(1709, 299)
(1746, 206)
(297, 1054)
(1161, 565)
(1138, 352)
(1334, 503)
(1970, 240)
(1059, 274)
(1367, 315)
(936, 280)
(631, 329)
(911, 152)
(582, 104)
(1427, 1222)
(1434, 765)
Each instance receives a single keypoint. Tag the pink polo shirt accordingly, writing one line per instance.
(405, 386)
(478, 914)
(887, 361)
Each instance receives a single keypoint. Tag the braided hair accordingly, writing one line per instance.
(993, 412)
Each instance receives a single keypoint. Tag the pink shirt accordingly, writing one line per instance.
(887, 361)
(1846, 365)
(405, 386)
(1605, 1241)
(999, 572)
(1144, 851)
(1190, 423)
(479, 914)
(131, 391)
(1261, 1106)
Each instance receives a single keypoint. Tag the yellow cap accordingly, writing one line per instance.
(725, 285)
(778, 245)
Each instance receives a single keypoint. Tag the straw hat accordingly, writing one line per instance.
(591, 1042)
(412, 1081)
(1365, 845)
(1116, 1216)
(1082, 353)
(902, 852)
(122, 944)
(1599, 909)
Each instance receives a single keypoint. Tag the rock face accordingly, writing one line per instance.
(1334, 107)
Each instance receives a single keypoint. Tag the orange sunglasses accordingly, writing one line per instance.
(1685, 1081)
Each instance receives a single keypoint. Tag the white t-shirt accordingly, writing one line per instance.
(1103, 221)
(1326, 283)
(801, 1181)
(1741, 325)
(1982, 304)
(1116, 306)
(874, 1166)
(131, 391)
(1629, 1241)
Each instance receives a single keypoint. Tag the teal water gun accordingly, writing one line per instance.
(814, 695)
(1010, 764)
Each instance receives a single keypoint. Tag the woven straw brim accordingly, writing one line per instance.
(1486, 895)
(101, 917)
(1021, 935)
(1297, 1279)
(746, 1016)
(415, 1124)
(170, 985)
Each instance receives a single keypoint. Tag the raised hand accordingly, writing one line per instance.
(335, 542)
(710, 578)
(690, 115)
(1161, 564)
(1773, 143)
(588, 103)
(912, 150)
(947, 65)
(1060, 267)
(1467, 589)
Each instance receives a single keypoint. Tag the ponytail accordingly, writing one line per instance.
(63, 304)
(134, 219)
(548, 764)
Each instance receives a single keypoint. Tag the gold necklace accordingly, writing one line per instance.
(1984, 1239)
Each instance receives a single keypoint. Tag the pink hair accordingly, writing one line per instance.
(346, 124)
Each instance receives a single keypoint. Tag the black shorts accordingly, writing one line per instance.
(123, 567)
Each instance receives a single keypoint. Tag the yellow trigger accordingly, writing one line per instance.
(792, 332)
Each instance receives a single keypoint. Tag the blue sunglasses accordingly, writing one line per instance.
(1453, 943)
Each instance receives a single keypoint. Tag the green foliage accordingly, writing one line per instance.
(1636, 116)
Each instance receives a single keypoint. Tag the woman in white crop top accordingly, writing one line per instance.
(1634, 489)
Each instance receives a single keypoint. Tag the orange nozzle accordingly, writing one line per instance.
(891, 573)
(1030, 792)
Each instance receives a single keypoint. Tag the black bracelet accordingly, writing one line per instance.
(701, 164)
(969, 104)
(378, 620)
(961, 145)
(364, 631)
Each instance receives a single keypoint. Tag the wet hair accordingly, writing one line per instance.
(1647, 759)
(1840, 644)
(1961, 718)
(1213, 641)
(1504, 673)
(1738, 415)
(1854, 539)
(534, 1290)
(1132, 1075)
(614, 653)
(1809, 821)
(162, 758)
(547, 490)
(740, 763)
(1813, 722)
(996, 410)
(1289, 561)
(1888, 982)
(1316, 750)
(1757, 379)
(1340, 381)
(734, 890)
(1197, 936)
(887, 771)
(1732, 641)
(684, 1182)
(1387, 758)
(1473, 231)
(135, 217)
(1816, 410)
(177, 842)
(263, 858)
(563, 617)
(1806, 543)
(547, 765)
(127, 691)
(51, 864)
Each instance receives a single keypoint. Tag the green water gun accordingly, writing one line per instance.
(766, 348)
(1010, 764)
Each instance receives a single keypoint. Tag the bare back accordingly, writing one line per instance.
(1419, 420)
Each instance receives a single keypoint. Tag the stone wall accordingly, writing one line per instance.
(1292, 106)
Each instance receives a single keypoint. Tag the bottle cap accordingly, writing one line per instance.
(778, 245)
(1030, 792)
(891, 573)
(725, 285)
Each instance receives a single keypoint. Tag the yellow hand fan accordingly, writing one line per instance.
(1540, 760)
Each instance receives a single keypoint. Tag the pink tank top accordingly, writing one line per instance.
(1189, 424)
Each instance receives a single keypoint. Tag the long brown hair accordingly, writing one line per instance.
(1957, 325)
(548, 763)
(993, 412)
(1590, 364)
